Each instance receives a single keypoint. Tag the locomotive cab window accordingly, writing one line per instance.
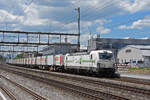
(128, 51)
(105, 55)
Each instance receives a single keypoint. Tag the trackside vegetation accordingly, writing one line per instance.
(136, 68)
(19, 56)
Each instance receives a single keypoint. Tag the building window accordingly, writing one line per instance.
(140, 62)
(128, 50)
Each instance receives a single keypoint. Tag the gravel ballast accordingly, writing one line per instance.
(49, 92)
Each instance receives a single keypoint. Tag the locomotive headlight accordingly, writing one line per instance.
(100, 65)
(103, 65)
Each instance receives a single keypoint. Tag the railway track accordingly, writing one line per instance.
(8, 92)
(102, 83)
(83, 91)
(133, 80)
(106, 84)
(38, 97)
(122, 79)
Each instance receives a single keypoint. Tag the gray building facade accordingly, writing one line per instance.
(135, 54)
(114, 44)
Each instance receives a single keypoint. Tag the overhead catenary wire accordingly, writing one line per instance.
(104, 5)
(13, 6)
(85, 12)
(25, 9)
(131, 19)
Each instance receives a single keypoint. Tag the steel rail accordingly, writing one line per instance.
(90, 93)
(106, 84)
(133, 80)
(38, 97)
(8, 92)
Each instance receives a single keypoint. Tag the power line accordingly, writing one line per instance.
(86, 10)
(132, 19)
(85, 14)
(24, 9)
(70, 17)
(99, 8)
(13, 6)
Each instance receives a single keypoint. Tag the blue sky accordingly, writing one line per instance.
(109, 18)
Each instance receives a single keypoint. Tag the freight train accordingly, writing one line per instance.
(98, 62)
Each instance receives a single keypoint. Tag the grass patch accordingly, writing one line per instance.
(139, 68)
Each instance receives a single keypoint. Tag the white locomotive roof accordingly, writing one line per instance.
(101, 51)
(95, 51)
(140, 46)
(79, 53)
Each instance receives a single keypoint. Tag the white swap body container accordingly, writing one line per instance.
(33, 61)
(30, 61)
(38, 61)
(50, 60)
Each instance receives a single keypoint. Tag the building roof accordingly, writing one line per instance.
(129, 41)
(142, 47)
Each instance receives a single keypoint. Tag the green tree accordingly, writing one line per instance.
(19, 56)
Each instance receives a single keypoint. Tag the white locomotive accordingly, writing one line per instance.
(98, 61)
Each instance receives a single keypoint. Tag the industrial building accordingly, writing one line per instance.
(137, 54)
(114, 44)
(96, 44)
(111, 43)
(59, 49)
(62, 49)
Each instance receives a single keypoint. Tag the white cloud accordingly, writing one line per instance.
(84, 38)
(103, 30)
(32, 16)
(54, 14)
(6, 17)
(139, 24)
(123, 27)
(134, 6)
